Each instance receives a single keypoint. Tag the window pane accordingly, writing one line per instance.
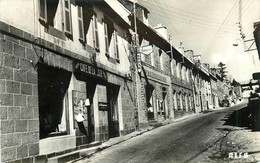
(67, 4)
(80, 12)
(80, 29)
(106, 40)
(97, 41)
(42, 9)
(67, 17)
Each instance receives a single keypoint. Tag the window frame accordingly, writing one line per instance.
(116, 47)
(45, 11)
(95, 33)
(106, 38)
(81, 23)
(67, 10)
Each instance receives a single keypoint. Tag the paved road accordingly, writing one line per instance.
(183, 141)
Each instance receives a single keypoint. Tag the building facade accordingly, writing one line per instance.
(66, 77)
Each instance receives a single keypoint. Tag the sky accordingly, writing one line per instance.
(210, 28)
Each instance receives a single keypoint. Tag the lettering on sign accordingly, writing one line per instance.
(102, 106)
(89, 69)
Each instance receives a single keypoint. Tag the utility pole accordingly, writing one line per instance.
(138, 72)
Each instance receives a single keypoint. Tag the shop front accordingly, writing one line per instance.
(77, 107)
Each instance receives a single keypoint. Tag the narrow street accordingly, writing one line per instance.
(197, 139)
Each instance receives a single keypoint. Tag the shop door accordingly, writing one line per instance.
(149, 89)
(113, 122)
(164, 105)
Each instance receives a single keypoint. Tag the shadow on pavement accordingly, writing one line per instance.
(245, 117)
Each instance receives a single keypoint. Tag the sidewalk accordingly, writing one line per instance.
(97, 147)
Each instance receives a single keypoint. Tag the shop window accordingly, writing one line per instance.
(53, 101)
(95, 33)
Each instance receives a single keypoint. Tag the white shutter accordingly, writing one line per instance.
(67, 17)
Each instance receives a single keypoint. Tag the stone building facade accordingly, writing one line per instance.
(66, 77)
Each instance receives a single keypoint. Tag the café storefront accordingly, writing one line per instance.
(81, 106)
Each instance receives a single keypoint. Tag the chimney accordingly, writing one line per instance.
(162, 30)
(189, 54)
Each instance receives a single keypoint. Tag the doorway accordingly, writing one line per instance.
(113, 119)
(149, 89)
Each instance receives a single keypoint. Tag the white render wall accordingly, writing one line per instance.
(23, 14)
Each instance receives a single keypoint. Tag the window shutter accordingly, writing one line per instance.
(67, 16)
(106, 37)
(81, 25)
(43, 10)
(116, 46)
(95, 33)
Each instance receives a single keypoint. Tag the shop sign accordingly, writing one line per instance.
(102, 106)
(90, 70)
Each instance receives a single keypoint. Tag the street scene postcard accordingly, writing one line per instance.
(130, 81)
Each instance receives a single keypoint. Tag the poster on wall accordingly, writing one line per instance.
(80, 104)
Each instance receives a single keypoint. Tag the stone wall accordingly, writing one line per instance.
(19, 99)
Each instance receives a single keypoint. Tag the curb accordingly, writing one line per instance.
(87, 153)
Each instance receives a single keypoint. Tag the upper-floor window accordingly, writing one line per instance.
(43, 10)
(48, 14)
(111, 39)
(106, 38)
(67, 17)
(116, 45)
(95, 33)
(81, 24)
